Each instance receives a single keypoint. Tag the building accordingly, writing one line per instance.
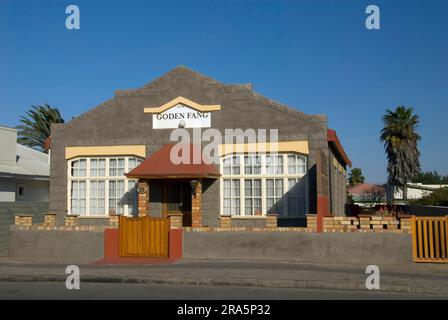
(24, 172)
(368, 194)
(414, 191)
(115, 158)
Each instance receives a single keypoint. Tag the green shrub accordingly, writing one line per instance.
(435, 198)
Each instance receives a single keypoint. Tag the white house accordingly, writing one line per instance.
(24, 172)
(415, 191)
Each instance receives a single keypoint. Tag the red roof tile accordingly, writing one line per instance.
(159, 165)
(362, 188)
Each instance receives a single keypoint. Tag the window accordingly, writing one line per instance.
(132, 197)
(79, 168)
(97, 167)
(296, 164)
(231, 165)
(266, 183)
(78, 197)
(231, 197)
(98, 186)
(116, 192)
(274, 164)
(252, 200)
(252, 164)
(296, 197)
(20, 191)
(274, 193)
(116, 167)
(133, 162)
(97, 193)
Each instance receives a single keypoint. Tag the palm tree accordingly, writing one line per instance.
(400, 142)
(355, 177)
(35, 127)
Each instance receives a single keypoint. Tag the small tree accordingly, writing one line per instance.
(355, 177)
(374, 195)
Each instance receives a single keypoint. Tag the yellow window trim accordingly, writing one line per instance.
(285, 146)
(134, 150)
(185, 101)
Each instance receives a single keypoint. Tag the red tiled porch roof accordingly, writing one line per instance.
(333, 139)
(159, 165)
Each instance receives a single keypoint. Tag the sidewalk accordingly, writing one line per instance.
(418, 279)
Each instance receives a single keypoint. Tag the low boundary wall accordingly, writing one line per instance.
(382, 249)
(7, 212)
(56, 246)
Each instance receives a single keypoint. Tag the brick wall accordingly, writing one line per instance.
(362, 223)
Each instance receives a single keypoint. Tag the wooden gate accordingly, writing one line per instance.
(143, 237)
(430, 239)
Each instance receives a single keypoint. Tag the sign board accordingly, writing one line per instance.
(181, 116)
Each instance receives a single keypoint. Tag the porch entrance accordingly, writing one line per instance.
(177, 199)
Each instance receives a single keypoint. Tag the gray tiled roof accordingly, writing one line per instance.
(30, 162)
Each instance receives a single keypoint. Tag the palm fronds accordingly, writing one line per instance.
(35, 126)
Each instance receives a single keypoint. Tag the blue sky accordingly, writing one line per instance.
(316, 56)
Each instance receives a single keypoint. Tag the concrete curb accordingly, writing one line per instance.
(404, 286)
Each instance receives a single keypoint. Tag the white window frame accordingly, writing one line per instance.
(252, 197)
(263, 176)
(106, 178)
(274, 188)
(231, 197)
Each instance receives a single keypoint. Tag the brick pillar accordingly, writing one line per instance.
(175, 220)
(50, 220)
(322, 211)
(271, 221)
(323, 189)
(114, 220)
(196, 206)
(311, 222)
(23, 220)
(225, 221)
(405, 223)
(71, 220)
(143, 198)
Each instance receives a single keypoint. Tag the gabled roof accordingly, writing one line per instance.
(29, 162)
(161, 165)
(245, 90)
(333, 140)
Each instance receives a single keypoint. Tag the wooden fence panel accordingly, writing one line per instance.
(430, 239)
(143, 237)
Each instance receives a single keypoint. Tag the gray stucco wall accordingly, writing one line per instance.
(7, 212)
(121, 121)
(56, 246)
(210, 202)
(328, 248)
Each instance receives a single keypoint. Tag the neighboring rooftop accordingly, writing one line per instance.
(16, 159)
(363, 188)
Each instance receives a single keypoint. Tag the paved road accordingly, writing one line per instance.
(55, 290)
